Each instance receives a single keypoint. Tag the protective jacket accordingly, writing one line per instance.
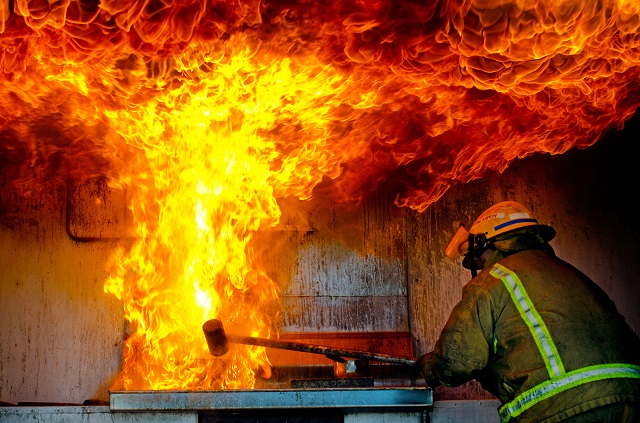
(542, 337)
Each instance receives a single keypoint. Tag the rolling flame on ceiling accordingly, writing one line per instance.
(210, 111)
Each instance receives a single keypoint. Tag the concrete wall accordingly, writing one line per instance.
(343, 268)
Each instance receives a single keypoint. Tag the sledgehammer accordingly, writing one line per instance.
(218, 343)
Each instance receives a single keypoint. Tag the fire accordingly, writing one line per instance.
(209, 112)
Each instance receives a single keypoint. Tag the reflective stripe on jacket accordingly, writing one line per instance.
(542, 337)
(559, 380)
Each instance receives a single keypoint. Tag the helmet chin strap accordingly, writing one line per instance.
(474, 272)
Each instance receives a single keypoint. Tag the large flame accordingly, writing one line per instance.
(210, 111)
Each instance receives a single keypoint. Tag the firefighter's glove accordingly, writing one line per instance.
(420, 363)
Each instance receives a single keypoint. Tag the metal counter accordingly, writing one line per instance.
(374, 399)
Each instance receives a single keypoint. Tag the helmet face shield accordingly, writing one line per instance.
(459, 243)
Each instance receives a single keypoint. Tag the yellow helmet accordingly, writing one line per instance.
(499, 219)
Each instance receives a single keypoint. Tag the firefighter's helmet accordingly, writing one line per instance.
(496, 223)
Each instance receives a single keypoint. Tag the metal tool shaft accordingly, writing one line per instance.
(217, 342)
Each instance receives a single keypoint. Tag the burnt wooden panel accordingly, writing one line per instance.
(61, 335)
(341, 267)
(345, 314)
(332, 269)
(97, 212)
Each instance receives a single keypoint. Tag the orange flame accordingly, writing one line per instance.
(210, 111)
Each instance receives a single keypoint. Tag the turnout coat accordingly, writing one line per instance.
(541, 336)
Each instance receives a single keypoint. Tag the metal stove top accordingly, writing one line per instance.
(406, 398)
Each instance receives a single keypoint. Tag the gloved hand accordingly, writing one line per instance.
(422, 366)
(420, 363)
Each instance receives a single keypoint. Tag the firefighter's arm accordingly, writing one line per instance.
(463, 348)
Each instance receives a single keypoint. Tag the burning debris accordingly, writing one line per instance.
(209, 112)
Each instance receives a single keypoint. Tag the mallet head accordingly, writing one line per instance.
(216, 338)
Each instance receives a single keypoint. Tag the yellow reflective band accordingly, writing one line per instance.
(530, 315)
(552, 387)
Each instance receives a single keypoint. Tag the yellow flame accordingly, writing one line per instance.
(203, 183)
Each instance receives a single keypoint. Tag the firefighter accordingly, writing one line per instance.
(533, 330)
